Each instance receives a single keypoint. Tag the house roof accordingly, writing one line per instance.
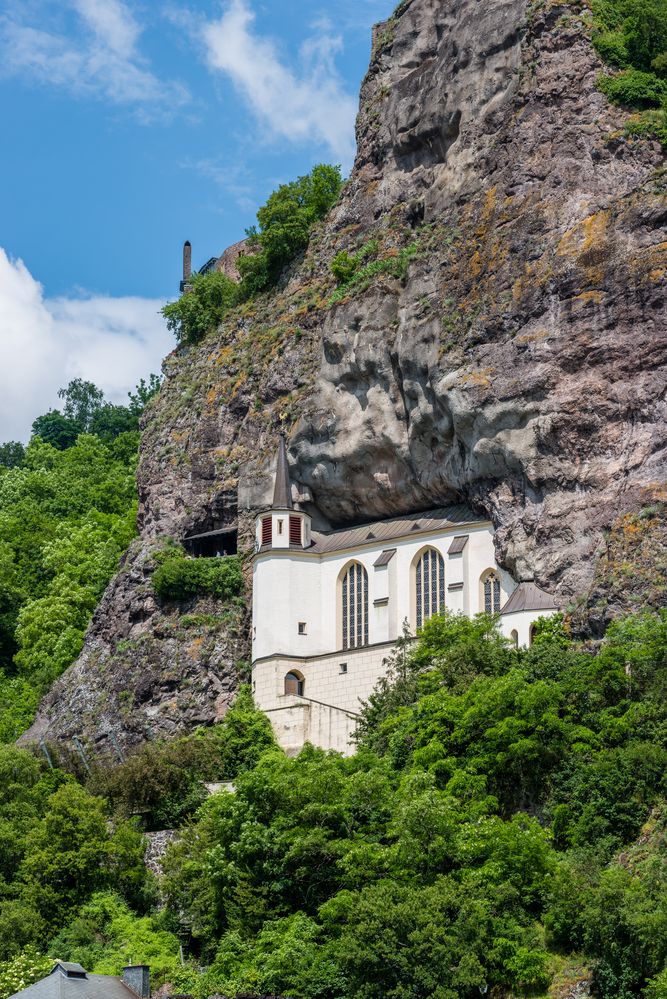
(71, 981)
(529, 597)
(230, 529)
(441, 519)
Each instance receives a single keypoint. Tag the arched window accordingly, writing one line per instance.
(514, 638)
(531, 634)
(429, 585)
(354, 595)
(491, 592)
(294, 683)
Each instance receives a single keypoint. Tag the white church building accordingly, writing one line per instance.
(328, 607)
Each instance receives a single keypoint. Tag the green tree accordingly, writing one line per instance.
(12, 454)
(284, 225)
(23, 970)
(200, 309)
(70, 854)
(56, 429)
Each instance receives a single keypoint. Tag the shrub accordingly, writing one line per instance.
(285, 222)
(202, 306)
(162, 782)
(180, 578)
(634, 89)
(631, 35)
(22, 971)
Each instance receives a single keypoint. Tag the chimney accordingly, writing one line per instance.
(138, 979)
(187, 264)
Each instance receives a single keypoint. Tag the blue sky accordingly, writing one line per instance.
(130, 126)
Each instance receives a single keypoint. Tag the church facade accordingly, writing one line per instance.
(329, 606)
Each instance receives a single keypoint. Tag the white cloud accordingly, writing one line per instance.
(309, 106)
(99, 57)
(44, 343)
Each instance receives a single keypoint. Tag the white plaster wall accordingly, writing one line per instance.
(521, 622)
(291, 586)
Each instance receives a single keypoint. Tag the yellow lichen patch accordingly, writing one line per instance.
(657, 274)
(477, 379)
(476, 265)
(584, 236)
(488, 210)
(537, 337)
(225, 355)
(588, 296)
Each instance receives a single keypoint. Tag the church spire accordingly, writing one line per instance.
(282, 493)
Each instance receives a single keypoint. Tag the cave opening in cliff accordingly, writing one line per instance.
(213, 544)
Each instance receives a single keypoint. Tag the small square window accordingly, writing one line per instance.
(343, 667)
(302, 627)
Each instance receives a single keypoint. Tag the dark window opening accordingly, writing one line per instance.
(213, 544)
(302, 627)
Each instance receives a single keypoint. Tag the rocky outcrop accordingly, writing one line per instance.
(507, 347)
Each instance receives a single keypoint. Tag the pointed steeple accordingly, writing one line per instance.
(282, 493)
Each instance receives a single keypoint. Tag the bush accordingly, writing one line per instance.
(202, 306)
(631, 35)
(22, 971)
(634, 89)
(179, 578)
(163, 782)
(285, 222)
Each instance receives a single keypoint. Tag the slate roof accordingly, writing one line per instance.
(441, 519)
(529, 597)
(61, 985)
(282, 493)
(385, 557)
(458, 544)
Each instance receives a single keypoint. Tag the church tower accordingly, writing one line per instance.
(283, 526)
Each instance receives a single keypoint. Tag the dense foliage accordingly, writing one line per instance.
(503, 818)
(199, 310)
(284, 225)
(178, 577)
(631, 35)
(283, 228)
(485, 826)
(67, 514)
(163, 782)
(73, 884)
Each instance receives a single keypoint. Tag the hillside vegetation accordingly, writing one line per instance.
(67, 513)
(501, 826)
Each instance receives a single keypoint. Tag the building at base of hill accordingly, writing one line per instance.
(328, 607)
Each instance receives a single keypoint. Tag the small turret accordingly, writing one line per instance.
(283, 526)
(187, 263)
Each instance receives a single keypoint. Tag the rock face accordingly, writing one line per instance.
(507, 347)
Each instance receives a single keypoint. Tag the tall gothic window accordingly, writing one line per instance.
(430, 585)
(355, 607)
(491, 591)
